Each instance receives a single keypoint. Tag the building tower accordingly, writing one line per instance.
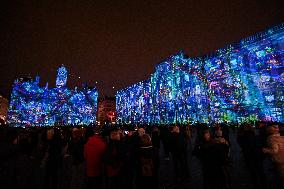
(61, 79)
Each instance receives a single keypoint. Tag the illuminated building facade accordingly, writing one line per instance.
(32, 105)
(106, 110)
(4, 104)
(241, 82)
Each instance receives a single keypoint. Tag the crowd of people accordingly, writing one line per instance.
(116, 156)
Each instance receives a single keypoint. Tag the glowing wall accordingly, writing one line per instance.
(241, 82)
(33, 105)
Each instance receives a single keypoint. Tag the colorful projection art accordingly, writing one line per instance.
(239, 83)
(36, 106)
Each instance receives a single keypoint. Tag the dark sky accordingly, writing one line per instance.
(118, 42)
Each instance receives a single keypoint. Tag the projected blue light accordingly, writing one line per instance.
(36, 106)
(241, 82)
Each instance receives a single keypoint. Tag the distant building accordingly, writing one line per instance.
(3, 109)
(42, 106)
(106, 110)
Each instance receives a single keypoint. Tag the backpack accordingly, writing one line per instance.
(147, 167)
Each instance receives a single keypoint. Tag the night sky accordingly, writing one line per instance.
(118, 42)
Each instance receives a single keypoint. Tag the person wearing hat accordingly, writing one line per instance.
(275, 148)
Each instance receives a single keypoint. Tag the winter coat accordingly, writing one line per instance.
(178, 144)
(113, 158)
(94, 151)
(147, 175)
(76, 149)
(148, 162)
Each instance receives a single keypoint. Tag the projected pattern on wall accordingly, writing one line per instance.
(33, 105)
(242, 82)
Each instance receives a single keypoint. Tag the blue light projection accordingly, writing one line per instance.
(239, 83)
(61, 79)
(36, 106)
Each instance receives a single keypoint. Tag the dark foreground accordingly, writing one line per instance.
(28, 171)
